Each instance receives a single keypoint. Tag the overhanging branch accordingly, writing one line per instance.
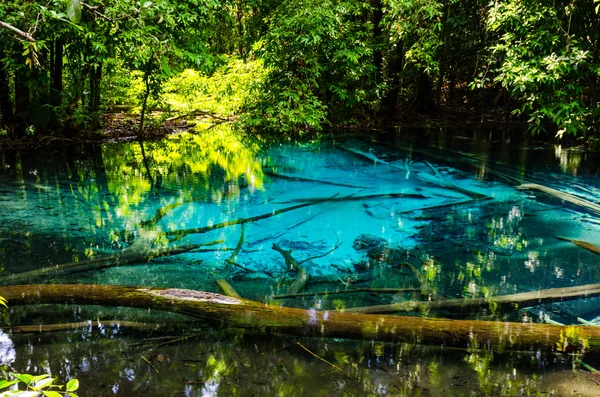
(25, 35)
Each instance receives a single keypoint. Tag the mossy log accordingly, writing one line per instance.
(494, 303)
(244, 313)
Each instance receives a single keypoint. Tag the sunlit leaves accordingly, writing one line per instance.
(37, 386)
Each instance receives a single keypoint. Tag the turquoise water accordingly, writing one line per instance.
(443, 201)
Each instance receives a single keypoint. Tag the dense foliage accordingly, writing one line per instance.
(289, 66)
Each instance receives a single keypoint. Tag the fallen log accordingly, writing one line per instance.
(122, 258)
(495, 303)
(593, 207)
(198, 112)
(583, 244)
(244, 313)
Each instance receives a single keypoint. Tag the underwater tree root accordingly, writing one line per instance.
(293, 264)
(498, 303)
(245, 313)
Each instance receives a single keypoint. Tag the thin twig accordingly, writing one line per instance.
(325, 361)
(149, 363)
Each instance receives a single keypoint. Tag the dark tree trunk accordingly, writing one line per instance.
(21, 93)
(443, 60)
(57, 81)
(5, 105)
(377, 55)
(424, 93)
(596, 58)
(395, 71)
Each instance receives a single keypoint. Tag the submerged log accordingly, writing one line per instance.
(593, 207)
(583, 244)
(250, 314)
(495, 303)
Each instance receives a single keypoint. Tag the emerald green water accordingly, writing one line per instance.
(443, 201)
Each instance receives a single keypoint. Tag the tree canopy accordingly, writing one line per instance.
(289, 66)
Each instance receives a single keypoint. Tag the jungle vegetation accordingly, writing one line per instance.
(297, 65)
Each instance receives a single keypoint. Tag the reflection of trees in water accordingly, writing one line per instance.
(245, 364)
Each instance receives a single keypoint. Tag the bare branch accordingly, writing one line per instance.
(25, 35)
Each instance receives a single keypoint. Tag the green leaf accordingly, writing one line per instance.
(74, 10)
(40, 384)
(6, 383)
(25, 378)
(147, 4)
(72, 385)
(52, 394)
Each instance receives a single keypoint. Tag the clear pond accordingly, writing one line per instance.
(433, 216)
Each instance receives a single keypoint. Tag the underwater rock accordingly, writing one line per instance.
(367, 241)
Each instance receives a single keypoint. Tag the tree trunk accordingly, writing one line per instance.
(57, 78)
(395, 71)
(443, 61)
(424, 91)
(5, 105)
(21, 96)
(377, 56)
(245, 313)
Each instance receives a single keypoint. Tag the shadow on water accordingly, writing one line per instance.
(433, 215)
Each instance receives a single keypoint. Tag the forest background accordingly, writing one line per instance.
(298, 65)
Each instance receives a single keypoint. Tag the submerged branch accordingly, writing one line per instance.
(244, 313)
(301, 278)
(499, 303)
(300, 179)
(227, 288)
(351, 291)
(123, 258)
(81, 324)
(205, 229)
(583, 244)
(593, 207)
(434, 180)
